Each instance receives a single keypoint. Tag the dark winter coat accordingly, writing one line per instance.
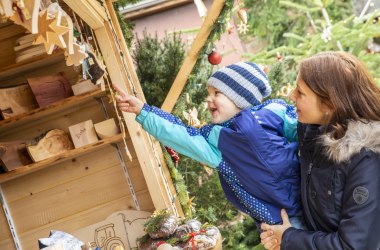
(340, 187)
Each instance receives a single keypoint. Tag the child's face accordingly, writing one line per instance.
(220, 106)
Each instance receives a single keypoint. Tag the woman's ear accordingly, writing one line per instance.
(327, 110)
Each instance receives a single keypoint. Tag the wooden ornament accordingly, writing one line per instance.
(83, 133)
(43, 28)
(32, 7)
(69, 36)
(56, 38)
(77, 57)
(16, 100)
(13, 154)
(107, 128)
(7, 7)
(50, 89)
(201, 8)
(243, 27)
(83, 87)
(51, 143)
(65, 21)
(243, 16)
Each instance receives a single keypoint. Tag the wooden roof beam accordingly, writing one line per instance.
(154, 9)
(90, 11)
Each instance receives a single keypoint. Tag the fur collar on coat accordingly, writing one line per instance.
(359, 135)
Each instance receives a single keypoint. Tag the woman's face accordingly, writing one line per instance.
(310, 108)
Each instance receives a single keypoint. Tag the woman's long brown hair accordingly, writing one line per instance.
(344, 84)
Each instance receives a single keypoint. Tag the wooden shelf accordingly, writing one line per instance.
(24, 170)
(35, 114)
(28, 65)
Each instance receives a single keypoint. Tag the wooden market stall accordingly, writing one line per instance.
(81, 186)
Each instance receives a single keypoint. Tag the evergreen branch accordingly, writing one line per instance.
(299, 7)
(292, 35)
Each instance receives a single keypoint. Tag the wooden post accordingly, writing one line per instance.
(140, 139)
(192, 56)
(87, 12)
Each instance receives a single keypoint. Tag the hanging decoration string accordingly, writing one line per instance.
(133, 87)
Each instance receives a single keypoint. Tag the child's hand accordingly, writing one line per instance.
(128, 103)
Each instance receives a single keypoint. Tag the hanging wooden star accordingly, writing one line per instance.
(77, 57)
(33, 7)
(56, 38)
(243, 28)
(63, 20)
(43, 28)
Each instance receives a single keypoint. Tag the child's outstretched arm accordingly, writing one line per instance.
(126, 102)
(169, 130)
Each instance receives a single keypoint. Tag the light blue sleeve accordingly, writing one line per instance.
(171, 132)
(288, 115)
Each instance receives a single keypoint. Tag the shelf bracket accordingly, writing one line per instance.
(12, 228)
(121, 159)
(129, 181)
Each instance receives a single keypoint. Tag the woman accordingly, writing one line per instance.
(338, 106)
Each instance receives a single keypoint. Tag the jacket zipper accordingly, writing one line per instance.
(309, 174)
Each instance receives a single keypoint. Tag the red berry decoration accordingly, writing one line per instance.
(214, 58)
(173, 155)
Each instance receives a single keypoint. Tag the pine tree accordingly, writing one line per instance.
(350, 34)
(158, 62)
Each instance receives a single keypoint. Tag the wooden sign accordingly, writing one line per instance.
(14, 154)
(50, 89)
(52, 143)
(16, 100)
(121, 229)
(83, 133)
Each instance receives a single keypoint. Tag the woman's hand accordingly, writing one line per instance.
(128, 103)
(272, 234)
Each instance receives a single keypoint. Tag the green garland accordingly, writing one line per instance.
(179, 185)
(217, 30)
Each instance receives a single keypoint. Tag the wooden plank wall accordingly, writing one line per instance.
(73, 194)
(8, 34)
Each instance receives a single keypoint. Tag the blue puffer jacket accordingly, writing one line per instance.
(255, 154)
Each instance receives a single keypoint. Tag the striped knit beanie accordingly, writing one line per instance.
(244, 83)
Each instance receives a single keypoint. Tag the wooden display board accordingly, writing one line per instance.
(80, 187)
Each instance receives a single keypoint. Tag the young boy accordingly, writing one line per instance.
(251, 145)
